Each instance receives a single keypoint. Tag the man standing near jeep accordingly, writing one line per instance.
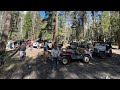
(55, 56)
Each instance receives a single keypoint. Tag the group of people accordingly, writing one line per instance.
(55, 53)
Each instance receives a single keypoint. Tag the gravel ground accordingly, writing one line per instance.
(34, 67)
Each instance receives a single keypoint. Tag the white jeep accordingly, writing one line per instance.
(102, 49)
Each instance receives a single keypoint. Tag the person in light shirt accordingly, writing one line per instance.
(55, 53)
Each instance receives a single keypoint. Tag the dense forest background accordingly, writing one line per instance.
(60, 26)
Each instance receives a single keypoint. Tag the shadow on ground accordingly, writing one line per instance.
(30, 68)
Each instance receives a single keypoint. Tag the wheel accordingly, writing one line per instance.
(102, 55)
(86, 58)
(65, 60)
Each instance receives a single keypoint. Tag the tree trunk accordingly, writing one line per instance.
(93, 31)
(66, 14)
(119, 33)
(37, 23)
(33, 24)
(5, 31)
(65, 33)
(118, 40)
(55, 33)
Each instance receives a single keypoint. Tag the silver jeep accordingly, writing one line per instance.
(102, 49)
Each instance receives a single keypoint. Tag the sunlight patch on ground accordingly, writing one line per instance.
(116, 51)
(81, 64)
(63, 69)
(53, 75)
(32, 61)
(32, 75)
(91, 63)
(103, 75)
(74, 76)
(9, 67)
(34, 52)
(71, 76)
(106, 64)
(17, 74)
(89, 76)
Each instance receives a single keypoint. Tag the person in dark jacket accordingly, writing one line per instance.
(46, 51)
(22, 50)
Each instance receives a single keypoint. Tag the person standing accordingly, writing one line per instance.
(2, 52)
(46, 50)
(22, 50)
(55, 53)
(9, 44)
(31, 44)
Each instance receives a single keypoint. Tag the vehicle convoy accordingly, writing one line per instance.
(102, 49)
(81, 53)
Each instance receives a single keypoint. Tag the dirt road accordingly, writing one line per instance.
(34, 67)
(34, 52)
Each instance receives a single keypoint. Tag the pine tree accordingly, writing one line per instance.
(27, 27)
